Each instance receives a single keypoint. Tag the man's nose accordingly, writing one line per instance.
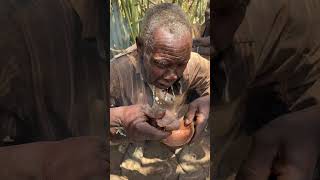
(171, 76)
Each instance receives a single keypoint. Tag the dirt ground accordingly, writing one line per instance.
(153, 160)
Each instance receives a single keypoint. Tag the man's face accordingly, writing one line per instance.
(165, 62)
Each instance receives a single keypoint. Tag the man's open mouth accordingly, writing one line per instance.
(165, 85)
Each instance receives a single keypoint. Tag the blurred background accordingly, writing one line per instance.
(125, 16)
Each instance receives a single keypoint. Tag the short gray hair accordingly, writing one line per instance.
(165, 15)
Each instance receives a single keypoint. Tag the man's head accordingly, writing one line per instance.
(164, 44)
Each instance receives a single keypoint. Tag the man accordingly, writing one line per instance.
(160, 71)
(52, 80)
(267, 79)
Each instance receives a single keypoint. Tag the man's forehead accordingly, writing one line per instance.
(177, 58)
(169, 57)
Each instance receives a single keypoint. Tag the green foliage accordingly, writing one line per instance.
(126, 15)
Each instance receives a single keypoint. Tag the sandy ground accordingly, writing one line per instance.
(153, 160)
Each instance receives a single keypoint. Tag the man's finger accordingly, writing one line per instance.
(168, 118)
(200, 124)
(164, 121)
(190, 115)
(174, 125)
(149, 132)
(153, 113)
(259, 162)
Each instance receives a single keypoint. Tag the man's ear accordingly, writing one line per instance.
(140, 46)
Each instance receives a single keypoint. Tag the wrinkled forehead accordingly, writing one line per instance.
(166, 45)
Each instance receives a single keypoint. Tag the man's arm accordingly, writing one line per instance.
(117, 132)
(133, 123)
(200, 81)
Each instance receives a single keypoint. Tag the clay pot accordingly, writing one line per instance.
(181, 136)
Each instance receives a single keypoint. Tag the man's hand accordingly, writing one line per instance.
(136, 119)
(168, 122)
(199, 112)
(286, 149)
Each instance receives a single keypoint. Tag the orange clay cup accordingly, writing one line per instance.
(180, 137)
